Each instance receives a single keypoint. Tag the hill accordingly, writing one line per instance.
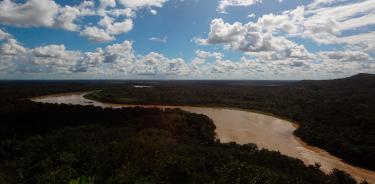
(362, 80)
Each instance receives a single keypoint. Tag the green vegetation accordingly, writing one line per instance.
(83, 180)
(47, 143)
(336, 115)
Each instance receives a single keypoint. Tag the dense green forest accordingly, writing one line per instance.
(47, 143)
(336, 115)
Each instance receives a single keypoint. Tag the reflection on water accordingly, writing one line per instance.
(244, 127)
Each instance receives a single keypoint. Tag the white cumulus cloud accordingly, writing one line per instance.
(96, 34)
(136, 4)
(30, 13)
(115, 17)
(223, 4)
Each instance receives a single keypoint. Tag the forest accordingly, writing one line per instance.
(50, 143)
(336, 115)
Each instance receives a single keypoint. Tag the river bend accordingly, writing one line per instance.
(240, 126)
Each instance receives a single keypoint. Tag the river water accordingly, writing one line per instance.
(240, 126)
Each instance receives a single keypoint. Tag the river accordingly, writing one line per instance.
(241, 126)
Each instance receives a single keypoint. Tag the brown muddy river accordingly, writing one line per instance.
(240, 126)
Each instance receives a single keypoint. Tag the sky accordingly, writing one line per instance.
(186, 39)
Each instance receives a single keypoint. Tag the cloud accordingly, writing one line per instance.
(269, 46)
(104, 4)
(30, 13)
(52, 58)
(137, 4)
(345, 56)
(197, 61)
(223, 4)
(115, 28)
(114, 18)
(89, 62)
(127, 12)
(270, 37)
(4, 35)
(50, 51)
(157, 64)
(271, 53)
(96, 34)
(224, 67)
(153, 12)
(116, 59)
(41, 60)
(67, 16)
(119, 60)
(119, 53)
(318, 3)
(364, 41)
(44, 13)
(288, 21)
(221, 32)
(206, 55)
(108, 29)
(251, 15)
(160, 40)
(323, 21)
(66, 19)
(250, 37)
(325, 24)
(11, 47)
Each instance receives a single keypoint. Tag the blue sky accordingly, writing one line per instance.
(186, 39)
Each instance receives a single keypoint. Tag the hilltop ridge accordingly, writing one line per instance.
(361, 80)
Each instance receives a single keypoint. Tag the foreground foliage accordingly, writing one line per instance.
(138, 146)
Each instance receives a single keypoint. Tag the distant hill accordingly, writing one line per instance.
(359, 81)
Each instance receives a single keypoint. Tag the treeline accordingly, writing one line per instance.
(46, 143)
(336, 115)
